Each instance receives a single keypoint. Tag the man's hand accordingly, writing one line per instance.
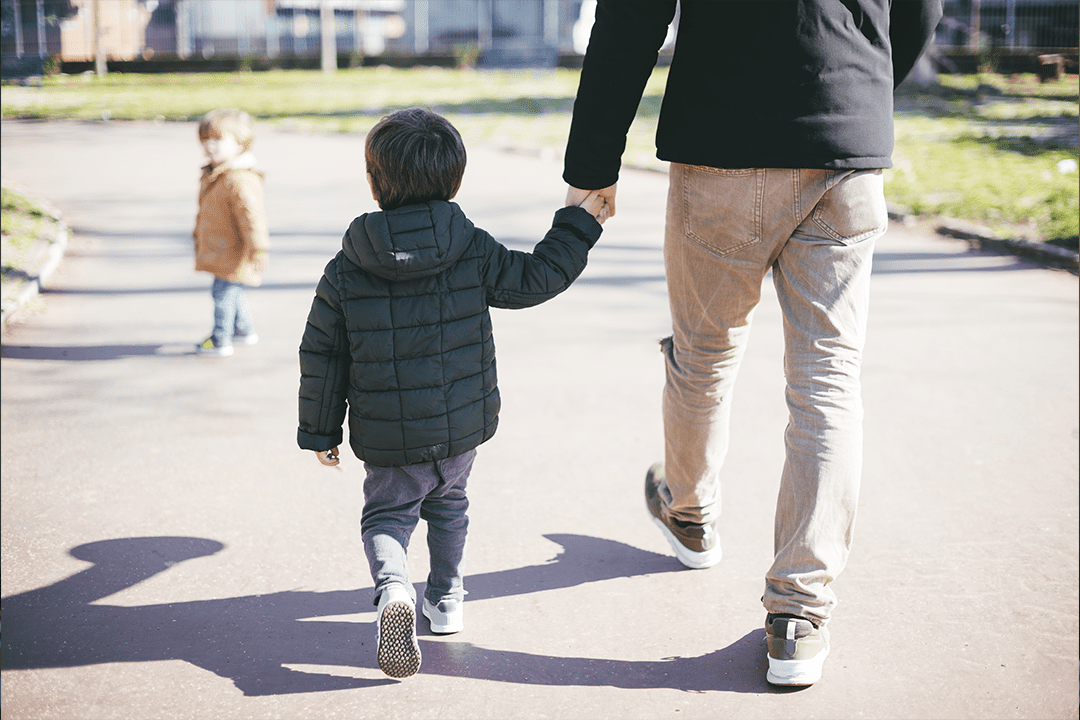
(579, 198)
(328, 457)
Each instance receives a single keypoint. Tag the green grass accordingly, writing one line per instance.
(980, 148)
(22, 221)
(987, 149)
(348, 101)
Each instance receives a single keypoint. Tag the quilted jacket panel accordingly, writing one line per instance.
(399, 335)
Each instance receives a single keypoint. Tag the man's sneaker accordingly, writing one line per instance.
(398, 651)
(797, 650)
(695, 546)
(248, 338)
(446, 617)
(208, 348)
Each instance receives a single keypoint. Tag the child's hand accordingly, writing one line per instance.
(599, 203)
(597, 206)
(328, 457)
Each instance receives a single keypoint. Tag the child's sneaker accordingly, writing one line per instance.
(445, 618)
(398, 651)
(248, 338)
(209, 348)
(797, 650)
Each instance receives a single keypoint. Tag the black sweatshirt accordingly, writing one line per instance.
(753, 83)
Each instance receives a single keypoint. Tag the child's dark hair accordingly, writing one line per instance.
(414, 156)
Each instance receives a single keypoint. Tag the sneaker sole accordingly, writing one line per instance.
(796, 672)
(446, 628)
(399, 654)
(689, 558)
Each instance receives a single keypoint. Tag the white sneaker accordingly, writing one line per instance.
(208, 348)
(447, 617)
(696, 546)
(398, 651)
(797, 650)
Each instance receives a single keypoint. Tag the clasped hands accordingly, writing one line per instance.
(598, 203)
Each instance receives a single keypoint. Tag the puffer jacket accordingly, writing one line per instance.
(231, 237)
(399, 332)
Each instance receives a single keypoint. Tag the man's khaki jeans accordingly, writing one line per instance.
(815, 229)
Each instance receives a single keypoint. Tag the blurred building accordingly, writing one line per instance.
(523, 32)
(123, 24)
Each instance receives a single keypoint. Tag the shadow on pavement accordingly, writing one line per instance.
(740, 667)
(168, 290)
(583, 559)
(87, 352)
(251, 640)
(887, 263)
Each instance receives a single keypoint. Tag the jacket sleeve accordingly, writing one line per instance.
(518, 279)
(911, 28)
(626, 39)
(324, 368)
(249, 213)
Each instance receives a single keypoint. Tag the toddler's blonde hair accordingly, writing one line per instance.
(237, 123)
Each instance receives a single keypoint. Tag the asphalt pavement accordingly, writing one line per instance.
(168, 551)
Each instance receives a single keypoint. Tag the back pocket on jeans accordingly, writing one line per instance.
(854, 209)
(721, 207)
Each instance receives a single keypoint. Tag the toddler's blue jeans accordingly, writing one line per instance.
(231, 312)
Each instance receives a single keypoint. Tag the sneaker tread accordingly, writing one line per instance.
(399, 653)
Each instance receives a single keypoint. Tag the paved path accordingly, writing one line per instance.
(168, 552)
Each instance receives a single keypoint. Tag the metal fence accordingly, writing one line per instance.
(1034, 26)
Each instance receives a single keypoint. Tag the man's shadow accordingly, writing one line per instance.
(251, 640)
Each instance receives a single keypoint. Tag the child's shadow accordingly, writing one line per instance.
(251, 639)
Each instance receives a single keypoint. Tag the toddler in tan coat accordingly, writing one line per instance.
(231, 238)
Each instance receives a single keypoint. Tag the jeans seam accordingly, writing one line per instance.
(852, 240)
(759, 204)
(832, 182)
(796, 204)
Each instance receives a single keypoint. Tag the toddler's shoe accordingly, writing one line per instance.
(695, 546)
(447, 617)
(797, 650)
(395, 623)
(248, 338)
(209, 348)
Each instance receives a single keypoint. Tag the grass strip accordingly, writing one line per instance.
(995, 150)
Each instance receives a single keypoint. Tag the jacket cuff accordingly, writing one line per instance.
(319, 443)
(580, 222)
(587, 180)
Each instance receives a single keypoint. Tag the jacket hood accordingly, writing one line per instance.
(409, 242)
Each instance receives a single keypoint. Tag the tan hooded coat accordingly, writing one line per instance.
(231, 237)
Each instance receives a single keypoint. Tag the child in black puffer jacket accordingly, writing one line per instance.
(400, 335)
